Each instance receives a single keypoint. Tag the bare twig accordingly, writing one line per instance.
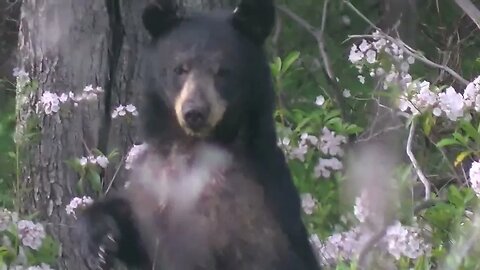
(114, 176)
(379, 133)
(417, 168)
(317, 34)
(360, 14)
(471, 10)
(368, 246)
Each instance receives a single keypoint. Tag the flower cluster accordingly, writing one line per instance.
(99, 160)
(50, 102)
(398, 241)
(42, 266)
(450, 103)
(342, 246)
(419, 96)
(7, 219)
(367, 54)
(309, 203)
(328, 144)
(31, 234)
(362, 208)
(474, 175)
(134, 154)
(123, 110)
(78, 203)
(405, 241)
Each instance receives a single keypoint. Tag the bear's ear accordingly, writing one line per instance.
(255, 18)
(159, 16)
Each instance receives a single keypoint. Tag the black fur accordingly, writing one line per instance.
(246, 129)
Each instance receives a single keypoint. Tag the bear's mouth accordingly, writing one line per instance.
(198, 106)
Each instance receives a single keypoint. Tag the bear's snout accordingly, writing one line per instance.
(196, 116)
(198, 106)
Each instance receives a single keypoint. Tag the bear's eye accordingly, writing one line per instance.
(223, 72)
(181, 69)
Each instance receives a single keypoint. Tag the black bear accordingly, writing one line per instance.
(213, 190)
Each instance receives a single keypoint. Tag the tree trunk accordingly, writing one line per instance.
(65, 46)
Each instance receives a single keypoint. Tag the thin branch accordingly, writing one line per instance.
(368, 246)
(114, 175)
(360, 14)
(379, 133)
(407, 49)
(471, 10)
(414, 162)
(317, 34)
(415, 54)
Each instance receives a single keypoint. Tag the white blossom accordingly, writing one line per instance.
(325, 166)
(451, 103)
(346, 93)
(338, 247)
(299, 152)
(6, 219)
(474, 175)
(329, 143)
(102, 161)
(50, 102)
(42, 266)
(355, 55)
(361, 79)
(371, 56)
(134, 154)
(31, 234)
(405, 241)
(309, 203)
(122, 110)
(78, 203)
(320, 100)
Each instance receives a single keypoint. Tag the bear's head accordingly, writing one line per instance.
(206, 74)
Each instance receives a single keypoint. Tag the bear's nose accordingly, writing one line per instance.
(195, 117)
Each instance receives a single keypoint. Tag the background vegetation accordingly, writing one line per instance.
(381, 189)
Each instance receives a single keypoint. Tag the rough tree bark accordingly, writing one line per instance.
(66, 45)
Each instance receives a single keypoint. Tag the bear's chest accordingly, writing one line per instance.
(198, 207)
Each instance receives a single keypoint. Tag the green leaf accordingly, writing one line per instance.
(428, 124)
(95, 180)
(470, 131)
(276, 67)
(289, 60)
(455, 197)
(353, 129)
(460, 138)
(332, 114)
(115, 153)
(75, 165)
(47, 253)
(97, 152)
(334, 123)
(460, 157)
(447, 142)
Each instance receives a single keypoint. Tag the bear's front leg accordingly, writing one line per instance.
(107, 229)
